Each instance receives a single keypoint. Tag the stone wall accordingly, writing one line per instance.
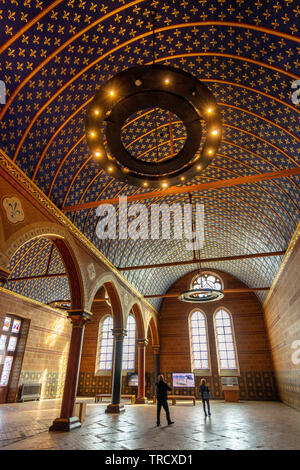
(256, 379)
(282, 312)
(45, 338)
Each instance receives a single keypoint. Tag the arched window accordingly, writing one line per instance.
(225, 340)
(106, 345)
(199, 343)
(129, 345)
(206, 281)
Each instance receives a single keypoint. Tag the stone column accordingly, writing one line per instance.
(114, 406)
(155, 349)
(141, 347)
(66, 421)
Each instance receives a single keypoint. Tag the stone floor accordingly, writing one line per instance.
(237, 426)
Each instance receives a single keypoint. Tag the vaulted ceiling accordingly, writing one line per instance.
(55, 55)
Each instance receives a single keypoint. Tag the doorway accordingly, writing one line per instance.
(9, 338)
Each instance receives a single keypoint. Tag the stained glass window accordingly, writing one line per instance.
(6, 325)
(6, 371)
(106, 345)
(200, 358)
(207, 281)
(8, 344)
(2, 342)
(225, 342)
(129, 345)
(16, 326)
(12, 343)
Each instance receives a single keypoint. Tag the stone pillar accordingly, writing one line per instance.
(66, 421)
(141, 347)
(114, 406)
(156, 364)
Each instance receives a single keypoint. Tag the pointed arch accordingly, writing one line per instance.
(115, 303)
(66, 248)
(154, 331)
(136, 310)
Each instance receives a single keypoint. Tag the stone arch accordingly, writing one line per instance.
(66, 248)
(108, 282)
(153, 330)
(116, 306)
(139, 320)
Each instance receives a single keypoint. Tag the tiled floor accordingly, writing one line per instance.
(244, 425)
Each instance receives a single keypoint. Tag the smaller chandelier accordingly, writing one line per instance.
(206, 287)
(201, 295)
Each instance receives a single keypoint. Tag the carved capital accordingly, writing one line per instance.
(142, 342)
(119, 334)
(79, 317)
(156, 348)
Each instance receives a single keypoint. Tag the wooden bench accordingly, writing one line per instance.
(182, 397)
(99, 396)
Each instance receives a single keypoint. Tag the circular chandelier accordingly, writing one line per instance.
(153, 86)
(201, 295)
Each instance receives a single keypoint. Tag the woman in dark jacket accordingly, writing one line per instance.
(205, 395)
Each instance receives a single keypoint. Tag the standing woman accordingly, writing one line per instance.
(205, 395)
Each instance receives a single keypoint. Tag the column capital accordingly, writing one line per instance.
(155, 348)
(79, 317)
(142, 342)
(119, 333)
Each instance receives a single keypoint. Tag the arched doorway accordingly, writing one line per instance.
(42, 269)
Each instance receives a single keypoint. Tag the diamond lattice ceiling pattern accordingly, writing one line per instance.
(55, 55)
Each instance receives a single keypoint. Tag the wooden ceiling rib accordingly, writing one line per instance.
(204, 260)
(192, 188)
